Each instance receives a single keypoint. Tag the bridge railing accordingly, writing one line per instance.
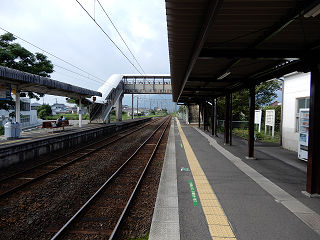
(146, 80)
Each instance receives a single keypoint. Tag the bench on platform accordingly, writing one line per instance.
(52, 124)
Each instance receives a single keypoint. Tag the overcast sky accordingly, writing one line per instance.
(63, 28)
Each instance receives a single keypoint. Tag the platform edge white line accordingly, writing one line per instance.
(165, 220)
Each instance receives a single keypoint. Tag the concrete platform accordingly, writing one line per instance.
(42, 141)
(223, 195)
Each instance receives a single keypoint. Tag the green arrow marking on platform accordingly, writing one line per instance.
(183, 169)
(193, 193)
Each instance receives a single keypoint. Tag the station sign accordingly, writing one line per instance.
(270, 117)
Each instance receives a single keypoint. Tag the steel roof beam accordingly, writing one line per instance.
(212, 79)
(278, 71)
(275, 29)
(212, 10)
(284, 23)
(195, 89)
(257, 53)
(257, 78)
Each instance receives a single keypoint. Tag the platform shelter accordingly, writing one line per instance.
(219, 47)
(26, 82)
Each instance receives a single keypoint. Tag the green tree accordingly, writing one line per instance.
(266, 92)
(181, 109)
(43, 111)
(13, 55)
(7, 104)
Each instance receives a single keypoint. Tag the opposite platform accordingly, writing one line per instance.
(39, 142)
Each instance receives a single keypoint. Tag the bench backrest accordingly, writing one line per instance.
(65, 122)
(46, 124)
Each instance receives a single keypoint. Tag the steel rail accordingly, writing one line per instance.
(62, 156)
(68, 224)
(138, 183)
(70, 162)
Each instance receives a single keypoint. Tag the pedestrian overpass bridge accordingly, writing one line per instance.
(119, 84)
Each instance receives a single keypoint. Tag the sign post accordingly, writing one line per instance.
(270, 120)
(257, 118)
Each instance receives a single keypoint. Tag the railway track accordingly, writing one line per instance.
(101, 215)
(18, 181)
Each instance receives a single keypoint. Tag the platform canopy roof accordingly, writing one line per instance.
(217, 46)
(34, 83)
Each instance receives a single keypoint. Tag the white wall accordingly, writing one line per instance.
(296, 85)
(32, 114)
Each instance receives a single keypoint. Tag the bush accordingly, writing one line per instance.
(43, 111)
(1, 130)
(42, 114)
(259, 135)
(240, 132)
(243, 133)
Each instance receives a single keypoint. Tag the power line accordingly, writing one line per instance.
(68, 76)
(120, 35)
(53, 55)
(109, 37)
(76, 73)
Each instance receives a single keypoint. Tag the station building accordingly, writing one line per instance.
(296, 96)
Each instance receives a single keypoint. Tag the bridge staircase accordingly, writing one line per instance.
(99, 112)
(118, 85)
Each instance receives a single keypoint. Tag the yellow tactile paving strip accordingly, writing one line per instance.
(218, 224)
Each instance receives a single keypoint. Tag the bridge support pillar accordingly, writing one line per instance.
(132, 109)
(119, 109)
